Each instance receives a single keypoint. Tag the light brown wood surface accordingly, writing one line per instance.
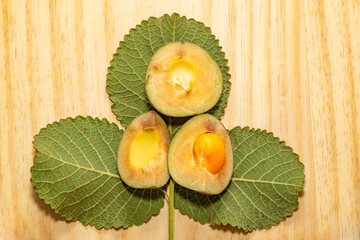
(295, 69)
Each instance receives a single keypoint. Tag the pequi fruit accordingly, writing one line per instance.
(200, 155)
(142, 156)
(182, 79)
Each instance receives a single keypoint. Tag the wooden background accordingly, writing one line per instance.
(295, 69)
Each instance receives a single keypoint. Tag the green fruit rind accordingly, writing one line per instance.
(195, 89)
(181, 162)
(155, 173)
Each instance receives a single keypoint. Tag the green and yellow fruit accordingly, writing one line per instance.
(143, 151)
(200, 155)
(182, 79)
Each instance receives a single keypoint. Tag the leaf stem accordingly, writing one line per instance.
(171, 210)
(171, 195)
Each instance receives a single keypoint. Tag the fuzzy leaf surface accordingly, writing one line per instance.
(75, 171)
(126, 75)
(264, 187)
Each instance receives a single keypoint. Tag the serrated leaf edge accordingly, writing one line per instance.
(49, 202)
(226, 80)
(300, 187)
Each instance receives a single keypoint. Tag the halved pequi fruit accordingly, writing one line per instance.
(182, 79)
(143, 151)
(200, 155)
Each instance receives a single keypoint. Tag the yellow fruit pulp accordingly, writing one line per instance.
(144, 148)
(183, 74)
(209, 152)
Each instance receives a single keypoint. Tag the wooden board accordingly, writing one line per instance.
(295, 69)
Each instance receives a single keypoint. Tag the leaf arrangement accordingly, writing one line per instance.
(75, 164)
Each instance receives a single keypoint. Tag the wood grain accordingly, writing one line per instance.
(295, 69)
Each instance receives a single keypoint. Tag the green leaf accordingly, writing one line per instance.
(264, 187)
(75, 171)
(126, 75)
